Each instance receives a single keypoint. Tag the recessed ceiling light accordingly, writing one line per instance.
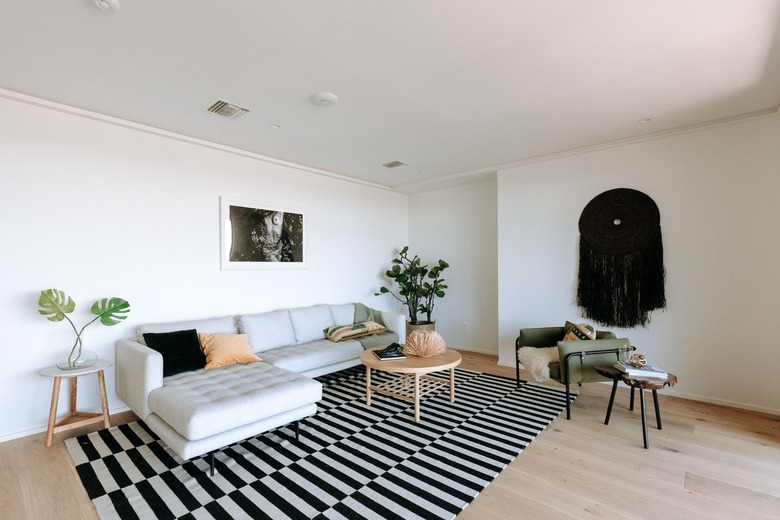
(646, 120)
(394, 164)
(324, 99)
(275, 127)
(107, 5)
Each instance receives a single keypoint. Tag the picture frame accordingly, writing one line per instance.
(261, 235)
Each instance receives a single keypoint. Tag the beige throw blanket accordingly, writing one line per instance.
(537, 361)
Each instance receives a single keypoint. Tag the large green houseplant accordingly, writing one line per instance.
(418, 285)
(55, 305)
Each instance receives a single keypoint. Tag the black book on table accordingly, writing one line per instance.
(388, 356)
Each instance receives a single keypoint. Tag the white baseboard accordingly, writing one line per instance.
(42, 429)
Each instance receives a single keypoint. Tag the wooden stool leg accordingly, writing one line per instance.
(103, 398)
(611, 400)
(657, 409)
(55, 397)
(644, 417)
(74, 390)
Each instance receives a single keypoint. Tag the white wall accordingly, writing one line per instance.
(458, 225)
(100, 210)
(717, 190)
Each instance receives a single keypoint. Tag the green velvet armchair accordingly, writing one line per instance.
(577, 358)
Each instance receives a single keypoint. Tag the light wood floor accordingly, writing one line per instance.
(708, 462)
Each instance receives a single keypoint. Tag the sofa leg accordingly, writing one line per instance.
(211, 463)
(297, 430)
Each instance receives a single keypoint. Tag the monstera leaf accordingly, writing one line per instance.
(55, 304)
(111, 310)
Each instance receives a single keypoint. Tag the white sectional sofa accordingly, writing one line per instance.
(199, 411)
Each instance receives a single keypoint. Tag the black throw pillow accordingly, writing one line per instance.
(180, 350)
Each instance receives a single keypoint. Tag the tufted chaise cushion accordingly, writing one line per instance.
(198, 404)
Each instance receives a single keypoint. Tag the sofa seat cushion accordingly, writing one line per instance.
(315, 354)
(202, 403)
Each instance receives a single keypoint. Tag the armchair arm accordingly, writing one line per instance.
(139, 370)
(579, 357)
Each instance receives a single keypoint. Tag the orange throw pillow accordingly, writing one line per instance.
(226, 349)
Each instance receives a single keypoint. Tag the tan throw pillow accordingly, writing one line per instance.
(226, 349)
(358, 330)
(583, 331)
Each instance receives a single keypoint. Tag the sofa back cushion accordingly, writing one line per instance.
(268, 330)
(310, 323)
(343, 314)
(224, 325)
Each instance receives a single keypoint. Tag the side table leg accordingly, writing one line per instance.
(657, 409)
(368, 385)
(416, 397)
(631, 403)
(103, 398)
(55, 397)
(74, 391)
(611, 400)
(644, 417)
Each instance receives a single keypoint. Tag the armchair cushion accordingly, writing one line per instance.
(583, 331)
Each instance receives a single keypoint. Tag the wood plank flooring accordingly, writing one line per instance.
(708, 462)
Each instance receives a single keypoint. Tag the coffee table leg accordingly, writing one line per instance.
(611, 401)
(644, 417)
(452, 385)
(368, 386)
(657, 409)
(416, 397)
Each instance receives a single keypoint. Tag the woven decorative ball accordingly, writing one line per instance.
(424, 343)
(637, 360)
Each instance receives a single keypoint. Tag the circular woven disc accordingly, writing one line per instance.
(619, 221)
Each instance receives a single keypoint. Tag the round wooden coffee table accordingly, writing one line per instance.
(416, 366)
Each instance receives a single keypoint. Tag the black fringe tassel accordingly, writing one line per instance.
(622, 290)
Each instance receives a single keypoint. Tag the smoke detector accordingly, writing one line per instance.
(324, 99)
(107, 5)
(229, 110)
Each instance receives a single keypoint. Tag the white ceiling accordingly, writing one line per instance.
(454, 88)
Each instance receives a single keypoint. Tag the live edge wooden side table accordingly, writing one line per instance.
(75, 418)
(636, 384)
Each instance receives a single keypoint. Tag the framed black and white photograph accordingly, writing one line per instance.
(259, 235)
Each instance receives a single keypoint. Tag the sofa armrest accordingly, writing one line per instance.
(395, 322)
(139, 370)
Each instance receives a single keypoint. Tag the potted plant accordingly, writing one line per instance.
(418, 287)
(56, 305)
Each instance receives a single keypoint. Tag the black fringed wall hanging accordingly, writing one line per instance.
(621, 272)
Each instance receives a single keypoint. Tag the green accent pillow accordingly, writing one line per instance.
(357, 330)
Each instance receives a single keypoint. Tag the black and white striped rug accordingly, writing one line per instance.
(352, 461)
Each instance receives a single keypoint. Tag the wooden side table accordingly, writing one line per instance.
(75, 418)
(636, 384)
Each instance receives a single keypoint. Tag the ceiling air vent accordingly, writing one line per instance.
(229, 110)
(394, 164)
